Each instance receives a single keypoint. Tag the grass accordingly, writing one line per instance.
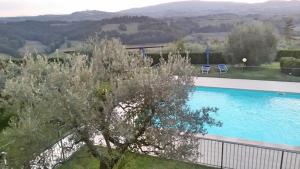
(265, 72)
(83, 160)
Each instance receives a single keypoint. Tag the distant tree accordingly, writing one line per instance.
(135, 107)
(255, 41)
(143, 37)
(180, 46)
(289, 29)
(122, 27)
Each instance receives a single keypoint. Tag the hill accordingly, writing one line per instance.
(176, 9)
(193, 21)
(47, 36)
(76, 16)
(200, 8)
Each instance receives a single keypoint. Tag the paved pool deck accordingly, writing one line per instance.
(291, 87)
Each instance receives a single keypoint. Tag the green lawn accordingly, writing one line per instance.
(83, 160)
(265, 72)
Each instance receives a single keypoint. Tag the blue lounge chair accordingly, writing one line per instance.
(222, 68)
(205, 69)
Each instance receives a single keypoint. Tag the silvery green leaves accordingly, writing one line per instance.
(129, 104)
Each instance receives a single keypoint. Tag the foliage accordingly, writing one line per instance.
(255, 41)
(28, 133)
(135, 107)
(290, 65)
(288, 53)
(4, 118)
(215, 28)
(148, 36)
(5, 112)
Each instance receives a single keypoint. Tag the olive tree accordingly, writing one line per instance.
(131, 105)
(255, 41)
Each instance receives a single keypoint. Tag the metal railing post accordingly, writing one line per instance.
(282, 153)
(222, 155)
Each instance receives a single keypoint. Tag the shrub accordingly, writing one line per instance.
(290, 65)
(195, 58)
(255, 41)
(288, 53)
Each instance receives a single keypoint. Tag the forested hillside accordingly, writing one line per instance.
(131, 30)
(52, 34)
(47, 36)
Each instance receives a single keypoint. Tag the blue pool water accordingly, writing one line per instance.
(253, 115)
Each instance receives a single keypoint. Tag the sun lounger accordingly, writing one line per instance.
(222, 68)
(205, 69)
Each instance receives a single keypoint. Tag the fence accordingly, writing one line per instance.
(213, 152)
(233, 155)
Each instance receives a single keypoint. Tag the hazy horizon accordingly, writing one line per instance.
(12, 8)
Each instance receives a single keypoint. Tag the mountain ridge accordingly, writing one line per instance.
(200, 8)
(75, 16)
(176, 9)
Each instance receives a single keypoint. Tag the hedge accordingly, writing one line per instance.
(290, 65)
(196, 58)
(288, 53)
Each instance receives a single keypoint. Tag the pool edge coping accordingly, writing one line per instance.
(266, 145)
(246, 84)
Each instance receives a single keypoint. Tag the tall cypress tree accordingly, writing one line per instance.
(289, 30)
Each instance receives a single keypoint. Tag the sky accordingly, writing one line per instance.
(40, 7)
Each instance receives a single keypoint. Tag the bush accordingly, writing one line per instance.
(255, 41)
(290, 65)
(196, 58)
(288, 53)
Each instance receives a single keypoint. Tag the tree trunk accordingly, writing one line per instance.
(103, 165)
(106, 163)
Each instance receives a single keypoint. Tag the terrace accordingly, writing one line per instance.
(223, 151)
(198, 85)
(232, 152)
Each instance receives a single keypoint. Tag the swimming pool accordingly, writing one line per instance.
(252, 115)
